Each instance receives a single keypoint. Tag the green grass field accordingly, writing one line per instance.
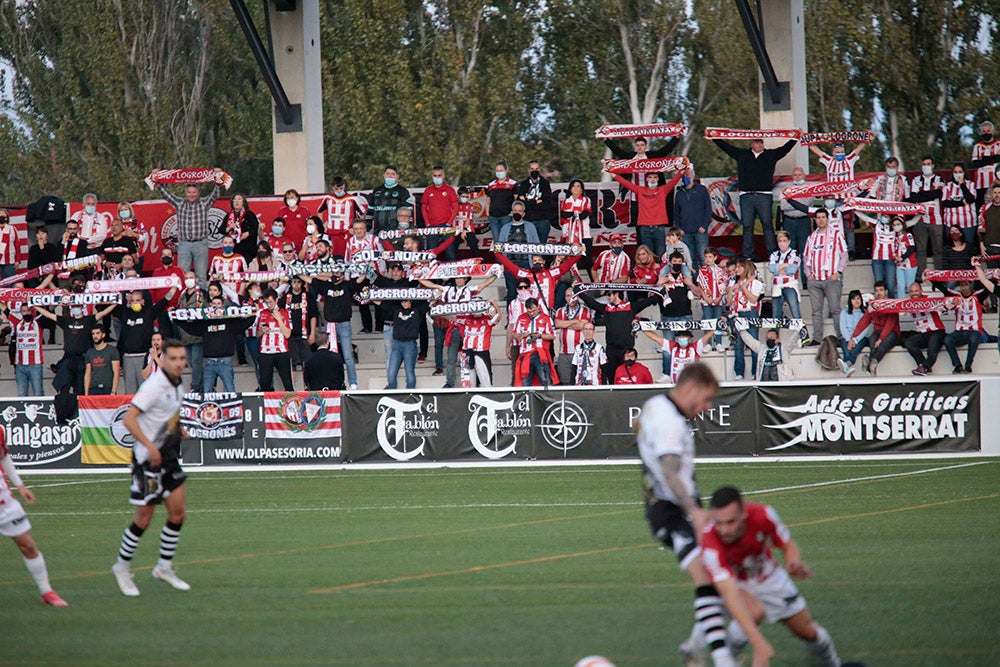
(537, 566)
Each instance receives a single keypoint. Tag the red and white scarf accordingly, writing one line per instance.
(813, 138)
(728, 133)
(234, 224)
(835, 189)
(53, 267)
(884, 207)
(909, 305)
(173, 176)
(633, 131)
(646, 165)
(156, 282)
(944, 276)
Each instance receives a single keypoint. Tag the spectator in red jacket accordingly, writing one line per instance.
(631, 371)
(885, 332)
(439, 206)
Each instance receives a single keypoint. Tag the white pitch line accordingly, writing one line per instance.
(382, 508)
(864, 479)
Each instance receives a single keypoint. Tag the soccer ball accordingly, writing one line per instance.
(594, 661)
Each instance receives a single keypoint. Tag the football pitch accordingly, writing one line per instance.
(499, 566)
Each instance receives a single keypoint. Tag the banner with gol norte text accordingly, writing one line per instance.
(212, 416)
(104, 439)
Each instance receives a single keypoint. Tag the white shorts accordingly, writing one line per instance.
(13, 520)
(777, 595)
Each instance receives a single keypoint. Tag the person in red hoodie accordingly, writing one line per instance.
(885, 334)
(651, 222)
(438, 207)
(631, 371)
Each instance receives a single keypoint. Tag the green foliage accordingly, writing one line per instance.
(106, 90)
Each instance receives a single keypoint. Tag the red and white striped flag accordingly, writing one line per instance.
(302, 414)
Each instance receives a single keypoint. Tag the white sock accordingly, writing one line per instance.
(36, 566)
(697, 638)
(721, 657)
(164, 564)
(823, 647)
(737, 638)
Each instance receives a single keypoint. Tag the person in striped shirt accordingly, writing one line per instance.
(840, 165)
(985, 156)
(569, 323)
(928, 335)
(927, 230)
(274, 331)
(28, 356)
(904, 252)
(9, 251)
(823, 261)
(968, 323)
(958, 204)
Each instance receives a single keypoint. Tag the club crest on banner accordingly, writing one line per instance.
(402, 423)
(302, 413)
(119, 433)
(493, 420)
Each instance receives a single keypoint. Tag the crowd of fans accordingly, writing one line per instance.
(300, 327)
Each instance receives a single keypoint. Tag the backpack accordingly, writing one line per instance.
(828, 353)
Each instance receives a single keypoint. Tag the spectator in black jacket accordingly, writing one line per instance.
(539, 207)
(43, 252)
(324, 369)
(755, 180)
(395, 280)
(386, 199)
(137, 320)
(218, 344)
(338, 298)
(618, 317)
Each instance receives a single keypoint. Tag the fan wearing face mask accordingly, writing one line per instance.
(342, 208)
(958, 203)
(613, 265)
(295, 215)
(651, 197)
(905, 255)
(94, 224)
(439, 206)
(985, 156)
(192, 225)
(386, 199)
(840, 165)
(927, 188)
(499, 199)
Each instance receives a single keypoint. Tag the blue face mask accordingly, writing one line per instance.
(277, 231)
(830, 204)
(840, 157)
(617, 249)
(90, 209)
(437, 180)
(227, 249)
(685, 181)
(891, 172)
(501, 175)
(683, 341)
(390, 182)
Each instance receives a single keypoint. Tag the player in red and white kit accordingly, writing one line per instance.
(736, 551)
(15, 525)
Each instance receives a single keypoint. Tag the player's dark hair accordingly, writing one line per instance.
(338, 181)
(676, 254)
(892, 159)
(642, 139)
(631, 350)
(826, 214)
(463, 190)
(698, 373)
(959, 164)
(725, 496)
(927, 157)
(171, 343)
(530, 301)
(269, 293)
(437, 167)
(879, 283)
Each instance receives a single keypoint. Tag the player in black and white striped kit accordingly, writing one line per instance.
(673, 506)
(153, 419)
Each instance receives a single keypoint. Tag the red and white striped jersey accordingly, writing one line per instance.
(515, 309)
(682, 356)
(740, 300)
(825, 254)
(985, 176)
(8, 244)
(958, 216)
(94, 227)
(588, 359)
(235, 263)
(611, 267)
(463, 219)
(341, 212)
(570, 338)
(477, 332)
(903, 242)
(883, 241)
(927, 321)
(272, 342)
(890, 188)
(925, 184)
(252, 330)
(538, 325)
(28, 341)
(712, 280)
(839, 170)
(574, 229)
(969, 314)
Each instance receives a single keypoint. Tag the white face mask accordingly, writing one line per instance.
(927, 170)
(463, 200)
(310, 229)
(801, 181)
(291, 201)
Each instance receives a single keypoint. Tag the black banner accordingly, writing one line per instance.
(35, 439)
(861, 418)
(213, 416)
